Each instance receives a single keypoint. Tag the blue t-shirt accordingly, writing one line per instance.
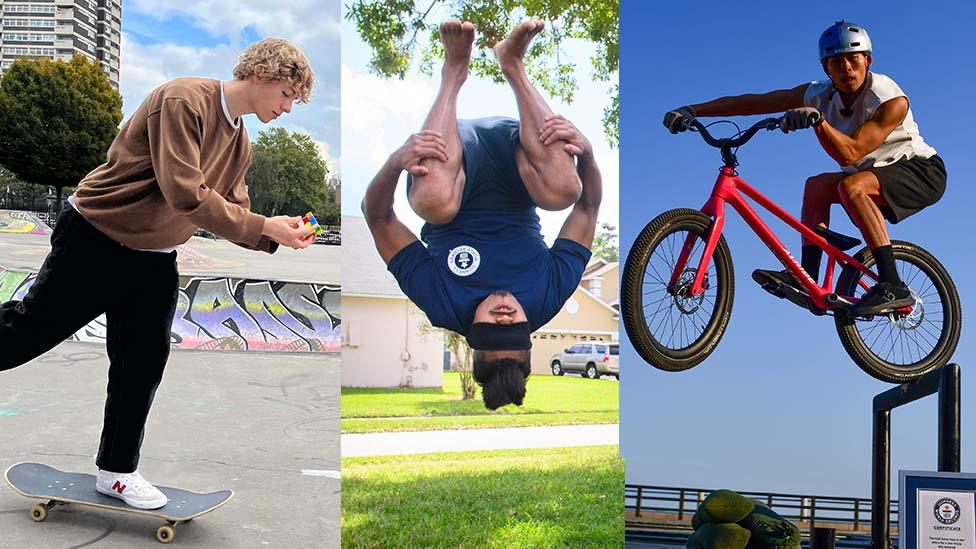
(494, 243)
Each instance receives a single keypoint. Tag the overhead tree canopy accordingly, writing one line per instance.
(402, 31)
(58, 121)
(288, 176)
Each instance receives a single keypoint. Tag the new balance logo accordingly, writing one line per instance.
(118, 487)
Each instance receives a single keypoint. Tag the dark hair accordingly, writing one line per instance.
(502, 380)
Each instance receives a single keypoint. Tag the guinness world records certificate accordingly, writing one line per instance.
(937, 510)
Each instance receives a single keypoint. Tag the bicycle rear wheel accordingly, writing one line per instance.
(669, 328)
(901, 348)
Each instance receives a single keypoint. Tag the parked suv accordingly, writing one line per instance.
(591, 360)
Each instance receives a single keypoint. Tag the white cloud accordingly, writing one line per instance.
(304, 22)
(146, 67)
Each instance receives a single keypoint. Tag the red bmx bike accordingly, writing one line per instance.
(678, 284)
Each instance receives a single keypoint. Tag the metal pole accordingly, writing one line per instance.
(880, 477)
(949, 441)
(822, 538)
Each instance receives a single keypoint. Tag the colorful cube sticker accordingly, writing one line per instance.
(312, 223)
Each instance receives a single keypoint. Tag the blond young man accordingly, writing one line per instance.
(177, 165)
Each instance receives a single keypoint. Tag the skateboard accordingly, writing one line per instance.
(35, 480)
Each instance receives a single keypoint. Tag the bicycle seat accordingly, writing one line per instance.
(837, 240)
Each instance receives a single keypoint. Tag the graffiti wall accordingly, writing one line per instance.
(12, 221)
(220, 313)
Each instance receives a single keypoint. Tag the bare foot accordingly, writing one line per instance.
(457, 38)
(511, 50)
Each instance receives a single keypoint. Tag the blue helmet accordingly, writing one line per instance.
(844, 37)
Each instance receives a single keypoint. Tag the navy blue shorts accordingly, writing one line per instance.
(492, 181)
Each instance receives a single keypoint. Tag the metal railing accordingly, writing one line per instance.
(672, 507)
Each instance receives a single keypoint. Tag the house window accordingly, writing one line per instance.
(596, 287)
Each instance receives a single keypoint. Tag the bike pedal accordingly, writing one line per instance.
(773, 289)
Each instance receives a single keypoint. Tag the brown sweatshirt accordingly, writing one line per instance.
(176, 165)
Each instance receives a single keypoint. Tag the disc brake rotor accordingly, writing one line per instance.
(911, 320)
(683, 299)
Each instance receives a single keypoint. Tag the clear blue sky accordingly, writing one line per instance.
(779, 405)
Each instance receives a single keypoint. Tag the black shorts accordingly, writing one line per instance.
(910, 186)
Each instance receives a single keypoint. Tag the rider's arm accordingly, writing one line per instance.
(753, 103)
(869, 136)
(389, 234)
(580, 225)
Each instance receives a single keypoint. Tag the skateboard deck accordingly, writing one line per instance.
(36, 480)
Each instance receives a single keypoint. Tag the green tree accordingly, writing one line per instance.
(288, 176)
(58, 121)
(459, 347)
(605, 243)
(399, 30)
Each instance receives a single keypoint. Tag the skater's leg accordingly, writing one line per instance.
(70, 290)
(138, 347)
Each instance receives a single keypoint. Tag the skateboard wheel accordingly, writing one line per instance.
(165, 534)
(38, 513)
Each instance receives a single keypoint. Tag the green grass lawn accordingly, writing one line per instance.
(549, 400)
(560, 497)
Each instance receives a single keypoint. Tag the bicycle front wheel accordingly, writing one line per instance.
(899, 348)
(670, 328)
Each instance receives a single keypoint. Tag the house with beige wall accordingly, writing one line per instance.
(602, 279)
(386, 340)
(590, 314)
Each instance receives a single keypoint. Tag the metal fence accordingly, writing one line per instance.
(332, 235)
(674, 507)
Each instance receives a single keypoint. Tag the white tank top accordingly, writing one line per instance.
(903, 143)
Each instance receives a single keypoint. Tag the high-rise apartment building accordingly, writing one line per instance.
(61, 29)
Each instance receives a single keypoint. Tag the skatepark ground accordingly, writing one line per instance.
(264, 424)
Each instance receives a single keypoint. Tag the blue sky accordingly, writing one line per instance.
(166, 39)
(779, 406)
(378, 116)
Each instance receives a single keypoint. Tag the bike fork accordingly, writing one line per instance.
(716, 210)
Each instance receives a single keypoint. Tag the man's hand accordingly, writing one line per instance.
(557, 128)
(679, 119)
(800, 119)
(425, 144)
(288, 231)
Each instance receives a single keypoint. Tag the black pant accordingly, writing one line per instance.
(87, 274)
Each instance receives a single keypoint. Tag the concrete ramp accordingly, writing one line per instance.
(232, 314)
(19, 222)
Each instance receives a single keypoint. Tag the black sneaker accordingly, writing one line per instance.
(883, 297)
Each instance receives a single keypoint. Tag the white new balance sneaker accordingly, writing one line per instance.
(131, 488)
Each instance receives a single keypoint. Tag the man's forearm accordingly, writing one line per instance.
(837, 144)
(752, 103)
(378, 200)
(592, 180)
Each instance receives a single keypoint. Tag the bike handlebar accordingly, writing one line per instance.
(732, 142)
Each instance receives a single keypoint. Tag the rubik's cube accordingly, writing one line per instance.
(312, 223)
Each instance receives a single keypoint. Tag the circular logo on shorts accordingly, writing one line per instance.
(463, 260)
(947, 511)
